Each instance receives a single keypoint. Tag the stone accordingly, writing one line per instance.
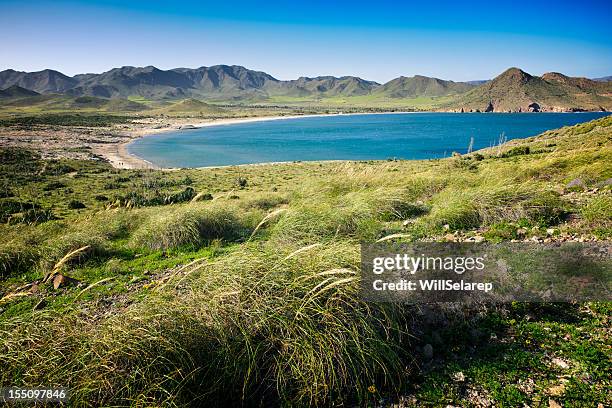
(63, 280)
(533, 107)
(575, 184)
(560, 363)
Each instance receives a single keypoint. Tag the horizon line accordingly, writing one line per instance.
(294, 79)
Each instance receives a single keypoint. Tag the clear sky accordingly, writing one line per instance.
(377, 40)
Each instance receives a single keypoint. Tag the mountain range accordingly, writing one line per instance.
(513, 90)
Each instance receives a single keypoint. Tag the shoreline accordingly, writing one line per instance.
(120, 158)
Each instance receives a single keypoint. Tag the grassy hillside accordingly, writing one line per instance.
(239, 285)
(190, 107)
(421, 86)
(54, 103)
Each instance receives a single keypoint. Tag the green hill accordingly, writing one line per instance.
(419, 86)
(323, 86)
(54, 102)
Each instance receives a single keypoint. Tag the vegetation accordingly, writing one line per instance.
(240, 286)
(66, 120)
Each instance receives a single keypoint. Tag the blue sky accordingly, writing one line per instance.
(376, 40)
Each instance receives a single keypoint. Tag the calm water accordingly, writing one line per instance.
(348, 137)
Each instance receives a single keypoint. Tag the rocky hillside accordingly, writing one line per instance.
(221, 82)
(16, 91)
(517, 91)
(323, 86)
(45, 81)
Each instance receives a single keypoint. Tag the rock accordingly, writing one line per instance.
(576, 184)
(446, 227)
(489, 107)
(553, 404)
(479, 238)
(428, 351)
(607, 182)
(449, 237)
(533, 107)
(63, 280)
(550, 231)
(478, 398)
(560, 363)
(556, 390)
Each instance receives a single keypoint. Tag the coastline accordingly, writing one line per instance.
(119, 157)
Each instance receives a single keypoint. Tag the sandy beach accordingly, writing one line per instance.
(110, 143)
(119, 157)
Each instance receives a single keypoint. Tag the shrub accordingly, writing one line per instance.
(322, 221)
(16, 258)
(55, 168)
(502, 231)
(59, 246)
(478, 157)
(599, 209)
(459, 213)
(241, 182)
(474, 207)
(267, 201)
(9, 207)
(188, 225)
(32, 216)
(54, 185)
(517, 151)
(135, 199)
(75, 205)
(546, 208)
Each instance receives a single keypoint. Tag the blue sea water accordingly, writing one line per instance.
(345, 137)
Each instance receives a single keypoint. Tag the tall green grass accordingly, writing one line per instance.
(191, 224)
(274, 317)
(260, 324)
